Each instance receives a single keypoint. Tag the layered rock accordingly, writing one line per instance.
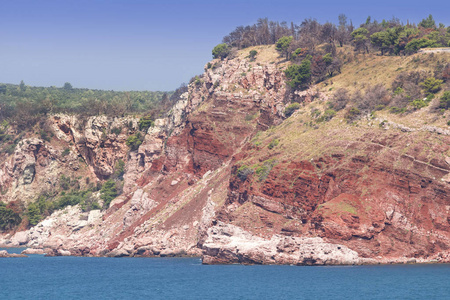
(205, 182)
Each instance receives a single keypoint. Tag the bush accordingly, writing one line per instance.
(431, 85)
(65, 152)
(340, 99)
(243, 172)
(134, 141)
(327, 115)
(252, 55)
(34, 214)
(352, 114)
(221, 51)
(299, 75)
(291, 108)
(145, 123)
(374, 96)
(116, 130)
(108, 192)
(264, 170)
(8, 218)
(273, 144)
(445, 100)
(119, 169)
(419, 103)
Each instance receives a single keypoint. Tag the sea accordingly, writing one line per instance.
(39, 277)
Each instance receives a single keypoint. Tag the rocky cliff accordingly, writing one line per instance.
(225, 175)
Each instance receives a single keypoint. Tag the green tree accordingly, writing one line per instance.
(428, 22)
(360, 39)
(283, 44)
(145, 123)
(416, 44)
(299, 75)
(221, 51)
(8, 218)
(67, 86)
(34, 214)
(22, 86)
(108, 192)
(431, 85)
(252, 54)
(445, 100)
(134, 141)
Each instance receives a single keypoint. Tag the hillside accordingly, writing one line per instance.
(244, 168)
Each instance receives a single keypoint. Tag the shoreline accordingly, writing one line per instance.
(56, 253)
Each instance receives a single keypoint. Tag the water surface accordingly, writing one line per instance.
(39, 277)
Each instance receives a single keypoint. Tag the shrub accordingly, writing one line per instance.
(299, 75)
(445, 100)
(273, 143)
(34, 214)
(419, 103)
(108, 192)
(352, 114)
(340, 99)
(431, 85)
(264, 170)
(65, 152)
(327, 115)
(252, 55)
(119, 169)
(291, 108)
(374, 96)
(221, 51)
(66, 183)
(8, 218)
(243, 172)
(116, 130)
(134, 141)
(145, 123)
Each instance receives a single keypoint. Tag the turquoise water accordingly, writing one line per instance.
(39, 277)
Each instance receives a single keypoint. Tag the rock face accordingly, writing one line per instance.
(204, 182)
(4, 253)
(227, 243)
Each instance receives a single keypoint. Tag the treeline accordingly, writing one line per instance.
(390, 37)
(23, 105)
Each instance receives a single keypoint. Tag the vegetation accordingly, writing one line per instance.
(145, 123)
(291, 108)
(263, 171)
(445, 100)
(282, 45)
(431, 85)
(390, 37)
(299, 76)
(8, 218)
(23, 106)
(134, 141)
(108, 192)
(221, 51)
(273, 143)
(243, 172)
(252, 55)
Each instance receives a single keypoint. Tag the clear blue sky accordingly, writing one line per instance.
(152, 45)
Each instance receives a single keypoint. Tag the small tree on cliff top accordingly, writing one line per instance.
(283, 44)
(221, 51)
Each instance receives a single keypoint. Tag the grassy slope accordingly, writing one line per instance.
(299, 135)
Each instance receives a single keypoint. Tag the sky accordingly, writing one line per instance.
(153, 45)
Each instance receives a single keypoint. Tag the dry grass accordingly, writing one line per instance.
(371, 69)
(266, 55)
